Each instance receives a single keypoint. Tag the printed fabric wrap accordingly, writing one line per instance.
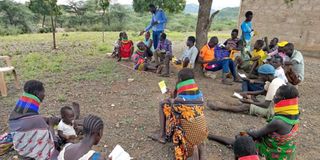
(125, 48)
(280, 147)
(138, 59)
(32, 138)
(185, 121)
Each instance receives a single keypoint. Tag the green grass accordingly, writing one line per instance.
(33, 64)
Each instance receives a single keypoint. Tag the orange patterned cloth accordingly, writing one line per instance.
(185, 126)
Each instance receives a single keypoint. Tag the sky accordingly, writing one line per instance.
(217, 4)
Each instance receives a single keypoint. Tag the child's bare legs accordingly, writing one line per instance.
(76, 109)
(253, 68)
(221, 106)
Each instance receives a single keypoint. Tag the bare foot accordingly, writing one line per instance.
(158, 138)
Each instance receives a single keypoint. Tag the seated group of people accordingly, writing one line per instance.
(142, 56)
(183, 123)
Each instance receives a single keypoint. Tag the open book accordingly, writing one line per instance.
(242, 75)
(237, 95)
(118, 153)
(163, 87)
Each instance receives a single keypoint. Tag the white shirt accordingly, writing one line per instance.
(280, 74)
(272, 88)
(66, 129)
(192, 54)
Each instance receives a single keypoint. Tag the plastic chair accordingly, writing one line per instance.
(3, 70)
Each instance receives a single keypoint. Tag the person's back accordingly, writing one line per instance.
(298, 67)
(93, 130)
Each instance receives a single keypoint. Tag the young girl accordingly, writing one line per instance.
(93, 130)
(140, 58)
(149, 45)
(126, 47)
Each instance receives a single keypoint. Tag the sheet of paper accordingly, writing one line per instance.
(242, 75)
(237, 95)
(163, 87)
(118, 153)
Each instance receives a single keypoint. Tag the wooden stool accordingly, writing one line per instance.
(3, 70)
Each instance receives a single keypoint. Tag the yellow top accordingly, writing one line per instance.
(260, 53)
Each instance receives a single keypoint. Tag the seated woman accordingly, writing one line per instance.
(276, 140)
(93, 130)
(149, 45)
(126, 47)
(25, 121)
(140, 59)
(182, 120)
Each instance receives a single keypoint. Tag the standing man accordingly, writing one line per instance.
(247, 30)
(157, 23)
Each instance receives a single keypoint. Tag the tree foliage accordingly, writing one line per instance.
(173, 6)
(15, 15)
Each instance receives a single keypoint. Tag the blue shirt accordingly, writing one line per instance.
(221, 53)
(246, 28)
(159, 17)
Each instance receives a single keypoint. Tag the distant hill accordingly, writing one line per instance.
(230, 13)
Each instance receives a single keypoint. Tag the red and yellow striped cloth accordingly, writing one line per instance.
(287, 107)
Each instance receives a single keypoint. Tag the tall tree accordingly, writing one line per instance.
(78, 8)
(54, 11)
(205, 19)
(103, 6)
(39, 7)
(173, 6)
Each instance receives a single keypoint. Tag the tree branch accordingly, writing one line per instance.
(211, 18)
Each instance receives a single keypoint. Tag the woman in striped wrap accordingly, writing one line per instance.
(182, 120)
(277, 140)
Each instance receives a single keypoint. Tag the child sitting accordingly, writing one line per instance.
(258, 56)
(140, 58)
(126, 47)
(244, 148)
(66, 128)
(277, 63)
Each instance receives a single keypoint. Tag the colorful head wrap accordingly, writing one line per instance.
(28, 103)
(188, 90)
(287, 107)
(283, 43)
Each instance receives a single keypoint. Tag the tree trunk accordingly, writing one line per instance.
(203, 25)
(53, 33)
(43, 20)
(203, 22)
(103, 20)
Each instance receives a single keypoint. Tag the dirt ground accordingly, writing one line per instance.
(130, 109)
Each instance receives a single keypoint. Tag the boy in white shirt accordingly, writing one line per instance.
(277, 63)
(188, 58)
(66, 127)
